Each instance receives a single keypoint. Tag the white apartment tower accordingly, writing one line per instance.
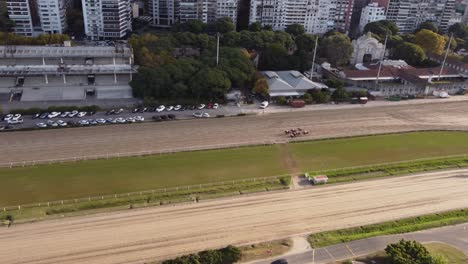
(317, 16)
(409, 14)
(371, 13)
(162, 11)
(107, 19)
(34, 17)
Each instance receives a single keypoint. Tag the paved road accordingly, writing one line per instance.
(456, 236)
(137, 236)
(199, 134)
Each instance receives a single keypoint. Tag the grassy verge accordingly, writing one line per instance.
(54, 182)
(453, 255)
(265, 250)
(157, 199)
(376, 171)
(407, 225)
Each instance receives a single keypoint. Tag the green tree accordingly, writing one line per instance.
(429, 25)
(224, 25)
(382, 28)
(459, 30)
(408, 252)
(305, 42)
(281, 100)
(261, 87)
(231, 254)
(340, 95)
(255, 27)
(409, 52)
(211, 257)
(295, 29)
(430, 41)
(194, 26)
(320, 96)
(209, 83)
(439, 259)
(337, 49)
(275, 57)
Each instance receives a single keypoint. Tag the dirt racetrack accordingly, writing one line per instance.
(77, 142)
(138, 236)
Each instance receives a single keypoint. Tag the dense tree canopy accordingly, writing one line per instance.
(382, 28)
(459, 30)
(44, 39)
(409, 52)
(194, 26)
(337, 49)
(408, 252)
(255, 27)
(295, 29)
(224, 25)
(429, 25)
(430, 41)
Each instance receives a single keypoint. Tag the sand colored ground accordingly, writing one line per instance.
(138, 236)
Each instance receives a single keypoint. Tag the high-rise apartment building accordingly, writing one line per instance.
(317, 16)
(107, 19)
(34, 17)
(168, 12)
(371, 13)
(409, 14)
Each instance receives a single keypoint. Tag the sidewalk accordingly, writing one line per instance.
(456, 236)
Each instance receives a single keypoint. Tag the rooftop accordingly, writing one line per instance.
(289, 83)
(61, 51)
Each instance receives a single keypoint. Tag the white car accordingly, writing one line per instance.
(73, 113)
(216, 106)
(206, 115)
(264, 105)
(130, 120)
(15, 121)
(110, 120)
(41, 125)
(16, 116)
(197, 115)
(118, 111)
(62, 123)
(53, 115)
(170, 108)
(177, 107)
(64, 114)
(160, 108)
(101, 121)
(83, 122)
(201, 106)
(52, 123)
(139, 118)
(81, 114)
(120, 120)
(8, 117)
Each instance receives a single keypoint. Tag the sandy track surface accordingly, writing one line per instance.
(136, 236)
(76, 142)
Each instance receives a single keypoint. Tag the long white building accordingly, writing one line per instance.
(371, 13)
(34, 17)
(317, 16)
(409, 14)
(107, 19)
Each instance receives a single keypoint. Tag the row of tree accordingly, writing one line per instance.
(227, 255)
(44, 39)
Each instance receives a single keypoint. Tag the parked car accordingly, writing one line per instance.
(120, 120)
(142, 110)
(64, 114)
(16, 116)
(201, 106)
(81, 114)
(101, 121)
(177, 107)
(118, 112)
(206, 115)
(110, 112)
(73, 113)
(110, 120)
(15, 121)
(53, 115)
(62, 123)
(41, 125)
(139, 118)
(160, 108)
(44, 115)
(264, 105)
(35, 116)
(83, 122)
(52, 123)
(209, 106)
(215, 106)
(170, 108)
(8, 117)
(197, 115)
(136, 110)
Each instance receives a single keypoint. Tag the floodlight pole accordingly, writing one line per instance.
(313, 60)
(380, 63)
(217, 49)
(445, 57)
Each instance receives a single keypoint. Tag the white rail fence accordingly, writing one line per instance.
(139, 193)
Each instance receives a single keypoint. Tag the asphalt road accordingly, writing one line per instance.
(456, 236)
(143, 235)
(70, 143)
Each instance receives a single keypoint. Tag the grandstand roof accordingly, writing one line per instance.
(22, 70)
(60, 51)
